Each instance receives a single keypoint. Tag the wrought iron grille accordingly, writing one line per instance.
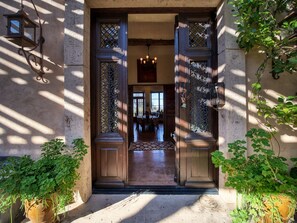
(200, 93)
(198, 34)
(109, 94)
(109, 35)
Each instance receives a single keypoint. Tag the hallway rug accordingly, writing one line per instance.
(154, 145)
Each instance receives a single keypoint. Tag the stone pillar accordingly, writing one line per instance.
(231, 71)
(77, 85)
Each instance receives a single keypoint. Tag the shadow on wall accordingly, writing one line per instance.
(32, 112)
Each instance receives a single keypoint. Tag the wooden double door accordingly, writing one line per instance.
(193, 119)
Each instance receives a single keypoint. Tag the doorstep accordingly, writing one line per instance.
(178, 190)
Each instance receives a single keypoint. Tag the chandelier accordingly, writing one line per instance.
(148, 59)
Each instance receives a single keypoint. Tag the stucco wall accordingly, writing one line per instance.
(31, 111)
(77, 86)
(286, 85)
(232, 118)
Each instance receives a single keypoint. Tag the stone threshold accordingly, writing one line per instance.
(174, 190)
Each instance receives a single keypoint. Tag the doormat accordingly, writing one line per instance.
(155, 145)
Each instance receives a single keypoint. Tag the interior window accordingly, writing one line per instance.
(138, 103)
(157, 104)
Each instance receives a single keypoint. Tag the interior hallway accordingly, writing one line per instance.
(155, 167)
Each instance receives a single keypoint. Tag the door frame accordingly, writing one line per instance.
(204, 11)
(109, 156)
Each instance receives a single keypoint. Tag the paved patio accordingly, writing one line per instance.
(146, 208)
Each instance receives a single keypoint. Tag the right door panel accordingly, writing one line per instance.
(196, 120)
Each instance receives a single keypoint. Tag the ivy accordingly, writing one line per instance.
(261, 25)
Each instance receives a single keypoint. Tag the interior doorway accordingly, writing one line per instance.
(151, 154)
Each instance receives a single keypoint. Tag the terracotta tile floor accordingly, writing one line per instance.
(155, 167)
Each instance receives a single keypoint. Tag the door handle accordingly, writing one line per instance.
(218, 95)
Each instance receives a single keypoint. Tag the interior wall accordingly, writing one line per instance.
(165, 54)
(165, 63)
(151, 30)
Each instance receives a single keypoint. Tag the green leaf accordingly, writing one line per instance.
(256, 86)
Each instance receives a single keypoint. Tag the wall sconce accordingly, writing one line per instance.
(21, 30)
(218, 95)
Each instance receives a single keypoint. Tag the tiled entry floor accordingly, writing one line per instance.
(154, 167)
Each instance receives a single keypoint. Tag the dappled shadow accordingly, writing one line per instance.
(150, 208)
(26, 114)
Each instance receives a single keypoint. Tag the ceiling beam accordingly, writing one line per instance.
(153, 42)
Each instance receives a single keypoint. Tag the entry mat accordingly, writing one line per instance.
(153, 145)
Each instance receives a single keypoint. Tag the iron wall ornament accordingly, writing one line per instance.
(21, 30)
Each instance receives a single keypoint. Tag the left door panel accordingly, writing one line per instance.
(109, 100)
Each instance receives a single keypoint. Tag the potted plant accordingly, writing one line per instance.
(262, 179)
(45, 183)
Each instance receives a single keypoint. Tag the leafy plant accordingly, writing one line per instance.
(52, 176)
(259, 27)
(256, 176)
(293, 171)
(284, 112)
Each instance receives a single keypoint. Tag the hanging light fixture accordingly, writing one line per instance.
(148, 59)
(21, 30)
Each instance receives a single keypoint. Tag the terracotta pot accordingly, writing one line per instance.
(39, 212)
(283, 203)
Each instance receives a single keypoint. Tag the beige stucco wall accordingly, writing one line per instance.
(77, 86)
(284, 86)
(31, 111)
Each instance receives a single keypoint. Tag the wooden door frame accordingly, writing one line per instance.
(110, 144)
(94, 12)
